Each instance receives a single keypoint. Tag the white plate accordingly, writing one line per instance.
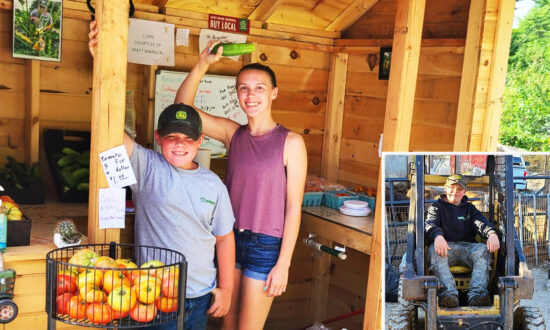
(355, 212)
(355, 204)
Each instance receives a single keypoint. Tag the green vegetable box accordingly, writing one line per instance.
(68, 154)
(22, 182)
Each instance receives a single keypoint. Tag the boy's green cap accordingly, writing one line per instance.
(456, 179)
(180, 118)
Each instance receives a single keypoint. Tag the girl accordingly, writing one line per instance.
(266, 173)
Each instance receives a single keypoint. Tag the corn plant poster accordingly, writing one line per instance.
(37, 29)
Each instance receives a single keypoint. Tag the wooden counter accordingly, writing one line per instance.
(345, 281)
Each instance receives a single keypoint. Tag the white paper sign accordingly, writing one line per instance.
(117, 167)
(207, 35)
(150, 43)
(112, 207)
(182, 37)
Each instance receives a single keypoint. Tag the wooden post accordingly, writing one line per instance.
(108, 103)
(148, 102)
(321, 279)
(407, 36)
(334, 117)
(503, 37)
(32, 110)
(468, 82)
(373, 302)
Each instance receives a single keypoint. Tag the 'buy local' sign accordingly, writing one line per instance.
(228, 24)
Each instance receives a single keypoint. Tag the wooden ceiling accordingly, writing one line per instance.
(321, 15)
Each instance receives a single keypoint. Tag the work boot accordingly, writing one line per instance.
(448, 301)
(480, 300)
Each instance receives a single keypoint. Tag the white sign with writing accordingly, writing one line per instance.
(112, 207)
(182, 37)
(117, 167)
(207, 35)
(150, 43)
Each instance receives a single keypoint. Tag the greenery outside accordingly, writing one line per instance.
(526, 104)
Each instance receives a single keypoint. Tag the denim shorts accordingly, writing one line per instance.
(256, 254)
(195, 315)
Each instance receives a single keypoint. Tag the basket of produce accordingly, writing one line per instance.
(366, 194)
(313, 198)
(335, 199)
(68, 154)
(102, 286)
(22, 182)
(18, 231)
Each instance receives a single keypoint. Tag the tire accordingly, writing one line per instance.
(8, 310)
(528, 318)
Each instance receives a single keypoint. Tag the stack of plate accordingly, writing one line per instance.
(355, 208)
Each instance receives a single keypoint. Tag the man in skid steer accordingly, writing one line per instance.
(451, 227)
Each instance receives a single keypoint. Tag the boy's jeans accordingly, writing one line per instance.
(473, 255)
(195, 315)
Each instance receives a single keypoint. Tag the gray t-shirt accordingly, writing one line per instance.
(182, 210)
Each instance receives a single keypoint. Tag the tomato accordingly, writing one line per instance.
(77, 307)
(113, 279)
(66, 283)
(341, 194)
(122, 299)
(89, 277)
(143, 313)
(147, 278)
(63, 302)
(92, 294)
(134, 275)
(105, 262)
(152, 263)
(127, 263)
(147, 291)
(84, 257)
(99, 313)
(168, 272)
(118, 315)
(170, 286)
(167, 305)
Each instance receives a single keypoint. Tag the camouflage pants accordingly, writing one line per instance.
(473, 255)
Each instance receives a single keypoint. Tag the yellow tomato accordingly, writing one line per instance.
(92, 294)
(147, 292)
(89, 277)
(121, 299)
(113, 279)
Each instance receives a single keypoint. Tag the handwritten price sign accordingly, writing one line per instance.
(117, 168)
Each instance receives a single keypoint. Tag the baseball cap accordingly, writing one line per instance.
(456, 179)
(180, 118)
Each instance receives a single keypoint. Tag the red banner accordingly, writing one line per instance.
(228, 24)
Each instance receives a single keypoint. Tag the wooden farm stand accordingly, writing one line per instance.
(444, 94)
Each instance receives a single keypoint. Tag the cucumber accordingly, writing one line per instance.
(67, 179)
(80, 175)
(66, 160)
(84, 158)
(233, 49)
(69, 151)
(83, 186)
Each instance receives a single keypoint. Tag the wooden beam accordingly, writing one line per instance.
(468, 82)
(373, 300)
(320, 282)
(388, 42)
(161, 3)
(32, 110)
(264, 10)
(503, 37)
(409, 19)
(108, 103)
(148, 102)
(334, 117)
(301, 30)
(350, 15)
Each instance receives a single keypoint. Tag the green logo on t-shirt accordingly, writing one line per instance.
(461, 218)
(204, 200)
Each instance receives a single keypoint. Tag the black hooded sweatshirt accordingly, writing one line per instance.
(457, 223)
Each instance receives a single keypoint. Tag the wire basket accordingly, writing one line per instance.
(101, 286)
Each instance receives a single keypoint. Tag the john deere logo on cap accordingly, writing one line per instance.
(181, 115)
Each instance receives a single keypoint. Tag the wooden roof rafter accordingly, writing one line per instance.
(350, 15)
(264, 10)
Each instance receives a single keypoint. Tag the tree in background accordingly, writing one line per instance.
(526, 104)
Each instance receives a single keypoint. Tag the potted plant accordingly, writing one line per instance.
(65, 234)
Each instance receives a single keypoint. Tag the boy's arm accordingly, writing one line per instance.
(128, 144)
(219, 128)
(483, 226)
(433, 222)
(225, 254)
(296, 166)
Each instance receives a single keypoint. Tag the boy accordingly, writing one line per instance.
(183, 206)
(41, 17)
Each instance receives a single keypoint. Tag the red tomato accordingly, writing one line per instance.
(143, 313)
(167, 305)
(77, 308)
(170, 286)
(62, 302)
(66, 283)
(99, 313)
(119, 315)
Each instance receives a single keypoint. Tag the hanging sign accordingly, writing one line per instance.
(150, 43)
(228, 24)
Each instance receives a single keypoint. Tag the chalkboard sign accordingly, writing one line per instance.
(216, 95)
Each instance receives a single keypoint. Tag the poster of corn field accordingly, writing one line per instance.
(37, 29)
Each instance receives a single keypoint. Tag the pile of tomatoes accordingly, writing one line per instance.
(364, 190)
(107, 289)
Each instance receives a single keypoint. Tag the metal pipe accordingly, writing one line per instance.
(510, 230)
(520, 222)
(536, 236)
(419, 256)
(323, 248)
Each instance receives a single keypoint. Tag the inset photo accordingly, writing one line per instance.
(37, 29)
(466, 240)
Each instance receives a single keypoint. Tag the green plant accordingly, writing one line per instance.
(67, 229)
